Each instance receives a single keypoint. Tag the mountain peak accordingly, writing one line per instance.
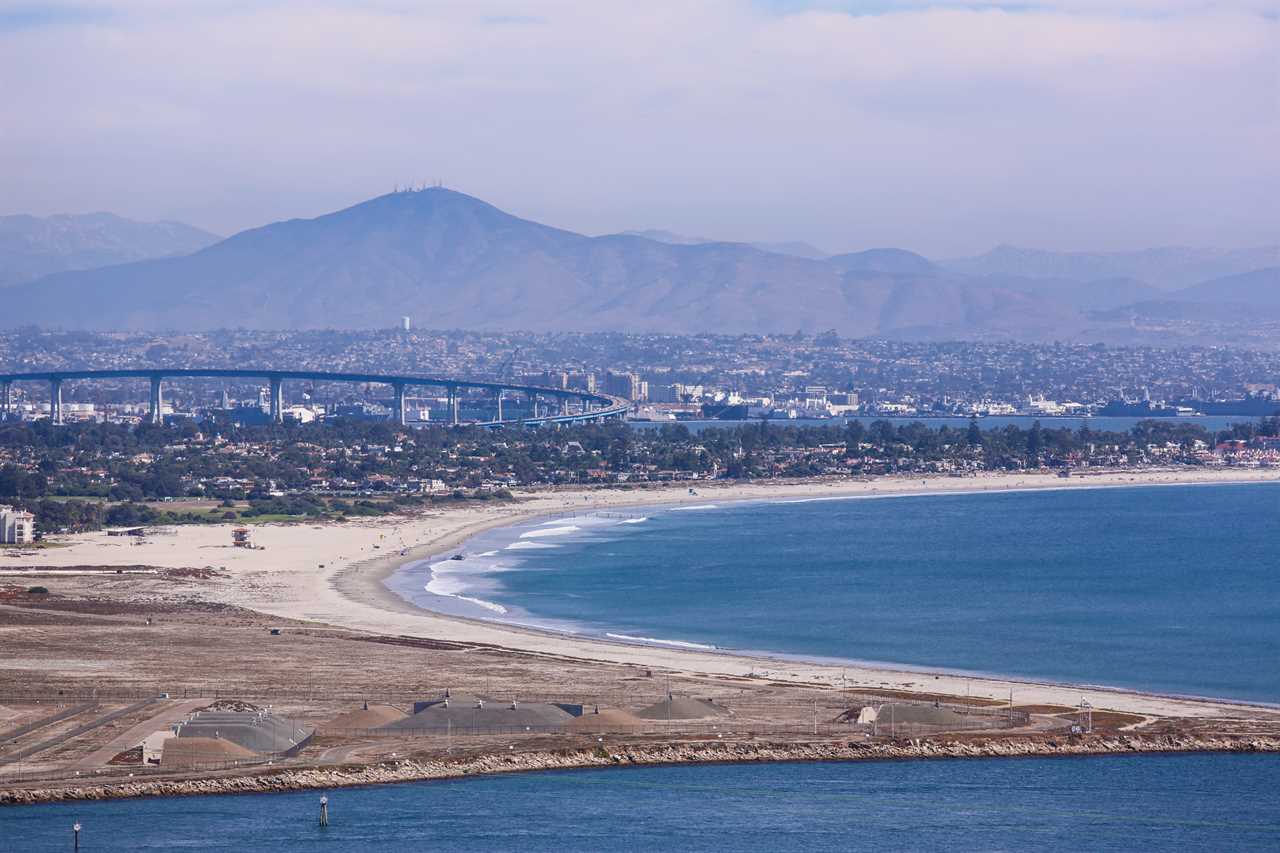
(34, 246)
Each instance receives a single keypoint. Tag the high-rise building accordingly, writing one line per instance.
(405, 324)
(675, 393)
(17, 527)
(547, 379)
(627, 385)
(583, 382)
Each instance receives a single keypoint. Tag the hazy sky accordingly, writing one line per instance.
(944, 127)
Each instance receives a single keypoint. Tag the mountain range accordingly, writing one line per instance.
(453, 261)
(797, 248)
(32, 246)
(1167, 268)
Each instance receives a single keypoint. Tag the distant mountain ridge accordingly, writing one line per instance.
(1257, 287)
(1167, 268)
(453, 261)
(796, 248)
(885, 260)
(31, 246)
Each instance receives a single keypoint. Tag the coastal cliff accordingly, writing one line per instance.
(411, 770)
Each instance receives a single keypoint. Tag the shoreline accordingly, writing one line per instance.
(351, 593)
(385, 571)
(341, 608)
(372, 588)
(623, 755)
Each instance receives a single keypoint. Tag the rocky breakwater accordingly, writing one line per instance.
(622, 754)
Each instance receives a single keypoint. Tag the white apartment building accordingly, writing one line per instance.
(16, 527)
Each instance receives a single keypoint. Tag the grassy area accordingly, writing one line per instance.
(96, 513)
(93, 499)
(270, 518)
(42, 545)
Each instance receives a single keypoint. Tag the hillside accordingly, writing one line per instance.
(1163, 268)
(796, 247)
(450, 260)
(1259, 288)
(31, 247)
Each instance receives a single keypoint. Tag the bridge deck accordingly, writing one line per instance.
(610, 406)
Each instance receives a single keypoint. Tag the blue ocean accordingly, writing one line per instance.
(1114, 803)
(1174, 589)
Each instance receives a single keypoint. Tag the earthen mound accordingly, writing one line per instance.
(606, 720)
(371, 717)
(683, 708)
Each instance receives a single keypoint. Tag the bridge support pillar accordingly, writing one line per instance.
(564, 405)
(5, 388)
(55, 400)
(499, 404)
(397, 413)
(277, 399)
(157, 400)
(453, 405)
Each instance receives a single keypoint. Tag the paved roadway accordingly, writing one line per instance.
(173, 711)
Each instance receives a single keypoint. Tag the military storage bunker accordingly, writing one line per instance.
(478, 714)
(213, 736)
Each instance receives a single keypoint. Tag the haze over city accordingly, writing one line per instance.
(946, 128)
(584, 425)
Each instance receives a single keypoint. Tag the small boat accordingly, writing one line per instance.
(456, 557)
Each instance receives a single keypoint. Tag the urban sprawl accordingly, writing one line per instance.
(217, 457)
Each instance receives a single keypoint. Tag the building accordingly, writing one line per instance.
(17, 527)
(665, 394)
(627, 385)
(547, 379)
(582, 382)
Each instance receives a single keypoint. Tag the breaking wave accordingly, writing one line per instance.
(550, 531)
(680, 644)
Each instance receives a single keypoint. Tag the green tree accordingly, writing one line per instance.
(974, 435)
(1035, 443)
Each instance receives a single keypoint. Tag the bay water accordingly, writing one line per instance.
(1173, 589)
(1112, 803)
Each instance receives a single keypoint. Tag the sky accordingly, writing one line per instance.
(942, 127)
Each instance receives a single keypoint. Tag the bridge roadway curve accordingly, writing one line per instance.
(606, 406)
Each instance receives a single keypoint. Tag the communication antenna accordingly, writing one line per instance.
(1086, 715)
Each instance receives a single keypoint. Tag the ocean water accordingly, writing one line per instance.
(1120, 803)
(1173, 588)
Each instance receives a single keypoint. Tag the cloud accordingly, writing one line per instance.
(941, 126)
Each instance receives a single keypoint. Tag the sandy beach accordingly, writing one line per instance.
(333, 573)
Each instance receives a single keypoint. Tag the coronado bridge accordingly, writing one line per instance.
(563, 405)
